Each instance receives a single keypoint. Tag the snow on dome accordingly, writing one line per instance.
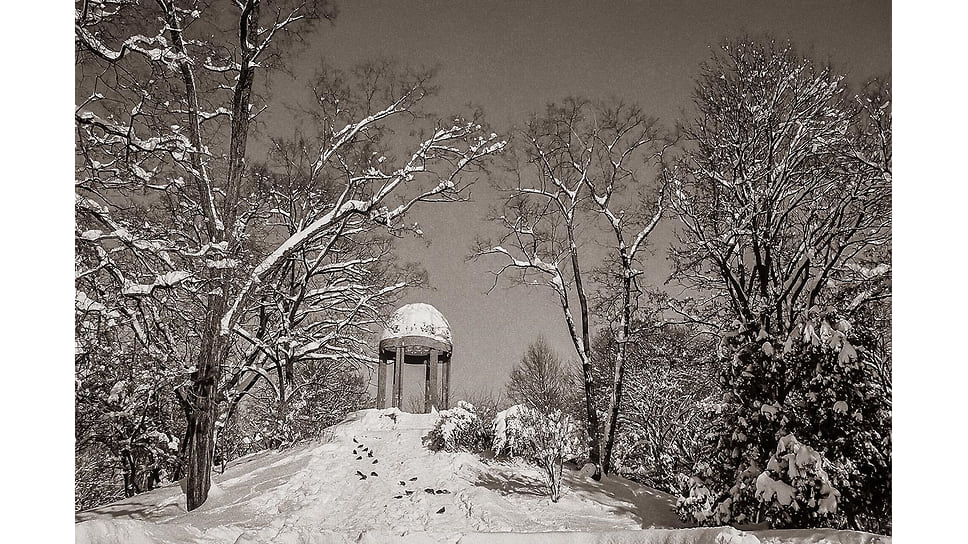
(418, 320)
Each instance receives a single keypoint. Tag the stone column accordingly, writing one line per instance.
(430, 397)
(398, 377)
(381, 384)
(445, 393)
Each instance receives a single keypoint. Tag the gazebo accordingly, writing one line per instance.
(416, 334)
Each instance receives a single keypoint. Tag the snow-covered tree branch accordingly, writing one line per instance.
(266, 262)
(583, 164)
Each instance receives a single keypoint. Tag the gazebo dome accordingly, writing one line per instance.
(418, 328)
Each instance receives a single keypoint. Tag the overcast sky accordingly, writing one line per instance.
(511, 58)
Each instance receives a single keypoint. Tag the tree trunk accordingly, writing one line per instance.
(585, 350)
(215, 346)
(618, 374)
(201, 440)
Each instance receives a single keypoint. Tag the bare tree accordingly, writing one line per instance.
(325, 301)
(586, 162)
(623, 138)
(541, 381)
(540, 243)
(786, 178)
(165, 117)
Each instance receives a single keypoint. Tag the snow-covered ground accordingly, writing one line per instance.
(372, 480)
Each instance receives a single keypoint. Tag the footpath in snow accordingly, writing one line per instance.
(371, 480)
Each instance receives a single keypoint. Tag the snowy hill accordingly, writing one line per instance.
(371, 480)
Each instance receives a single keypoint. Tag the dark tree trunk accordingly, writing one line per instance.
(215, 344)
(618, 374)
(201, 437)
(591, 413)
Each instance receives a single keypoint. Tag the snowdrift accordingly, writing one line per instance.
(370, 480)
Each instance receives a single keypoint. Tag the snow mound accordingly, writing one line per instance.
(371, 480)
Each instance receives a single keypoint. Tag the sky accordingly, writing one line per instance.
(511, 59)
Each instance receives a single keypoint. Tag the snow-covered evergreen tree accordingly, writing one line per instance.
(795, 487)
(816, 385)
(783, 191)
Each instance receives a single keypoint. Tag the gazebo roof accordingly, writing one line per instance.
(419, 327)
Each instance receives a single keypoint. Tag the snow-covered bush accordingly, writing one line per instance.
(458, 429)
(508, 428)
(702, 499)
(795, 487)
(696, 502)
(545, 439)
(126, 426)
(812, 384)
(323, 394)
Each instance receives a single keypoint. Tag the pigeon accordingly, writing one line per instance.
(354, 452)
(398, 496)
(443, 492)
(358, 457)
(441, 511)
(403, 483)
(355, 440)
(428, 490)
(375, 461)
(361, 475)
(414, 479)
(409, 492)
(370, 454)
(374, 474)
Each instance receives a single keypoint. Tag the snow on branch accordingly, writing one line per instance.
(164, 281)
(466, 146)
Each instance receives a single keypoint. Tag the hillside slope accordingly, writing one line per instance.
(371, 480)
